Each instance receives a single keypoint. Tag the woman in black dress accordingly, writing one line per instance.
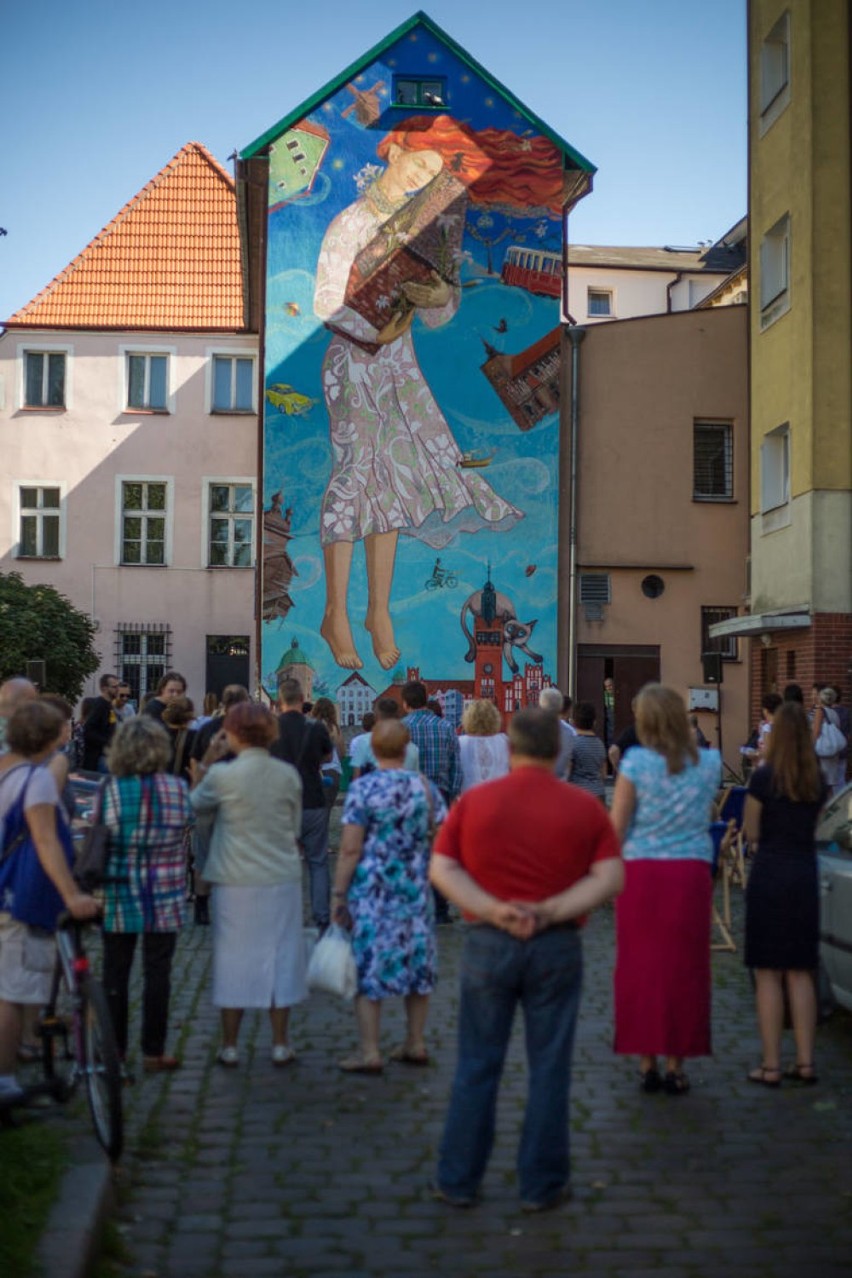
(782, 896)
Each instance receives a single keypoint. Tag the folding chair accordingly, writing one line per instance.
(731, 809)
(723, 834)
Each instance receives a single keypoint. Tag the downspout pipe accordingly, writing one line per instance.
(576, 333)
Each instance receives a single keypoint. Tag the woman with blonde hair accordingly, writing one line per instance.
(661, 812)
(146, 812)
(254, 867)
(483, 745)
(826, 719)
(782, 895)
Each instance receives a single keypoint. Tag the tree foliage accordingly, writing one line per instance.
(38, 623)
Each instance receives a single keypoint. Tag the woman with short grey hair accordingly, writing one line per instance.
(146, 812)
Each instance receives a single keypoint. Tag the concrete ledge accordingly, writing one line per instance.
(70, 1238)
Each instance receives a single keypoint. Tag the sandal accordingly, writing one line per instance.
(650, 1080)
(159, 1064)
(357, 1065)
(802, 1073)
(765, 1076)
(405, 1057)
(675, 1083)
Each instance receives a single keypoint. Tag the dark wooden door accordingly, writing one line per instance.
(227, 662)
(629, 667)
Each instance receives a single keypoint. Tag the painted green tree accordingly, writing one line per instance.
(37, 623)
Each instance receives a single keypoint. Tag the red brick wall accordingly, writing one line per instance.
(822, 654)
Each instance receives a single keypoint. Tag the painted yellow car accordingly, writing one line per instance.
(289, 401)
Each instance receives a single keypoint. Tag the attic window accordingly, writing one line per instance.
(428, 93)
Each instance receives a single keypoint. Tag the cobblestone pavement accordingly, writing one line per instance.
(305, 1171)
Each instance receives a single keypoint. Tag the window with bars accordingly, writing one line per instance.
(147, 382)
(39, 527)
(712, 461)
(44, 379)
(231, 539)
(233, 384)
(143, 522)
(142, 656)
(727, 644)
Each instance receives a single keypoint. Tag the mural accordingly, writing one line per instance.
(412, 387)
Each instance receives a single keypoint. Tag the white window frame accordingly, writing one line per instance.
(120, 480)
(18, 510)
(228, 352)
(603, 292)
(244, 481)
(775, 263)
(127, 349)
(775, 70)
(775, 472)
(42, 348)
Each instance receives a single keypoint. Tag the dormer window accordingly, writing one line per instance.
(426, 92)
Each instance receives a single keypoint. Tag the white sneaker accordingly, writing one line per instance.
(283, 1054)
(228, 1056)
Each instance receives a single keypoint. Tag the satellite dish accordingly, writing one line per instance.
(835, 822)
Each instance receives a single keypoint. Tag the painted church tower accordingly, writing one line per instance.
(488, 644)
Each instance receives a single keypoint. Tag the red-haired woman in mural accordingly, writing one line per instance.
(395, 462)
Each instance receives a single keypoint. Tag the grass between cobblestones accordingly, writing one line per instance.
(32, 1160)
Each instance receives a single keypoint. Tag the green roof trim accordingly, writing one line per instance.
(577, 160)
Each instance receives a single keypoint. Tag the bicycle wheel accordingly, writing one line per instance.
(101, 1068)
(57, 1058)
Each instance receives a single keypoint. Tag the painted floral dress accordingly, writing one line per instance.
(394, 457)
(390, 900)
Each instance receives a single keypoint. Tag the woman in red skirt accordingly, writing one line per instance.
(661, 811)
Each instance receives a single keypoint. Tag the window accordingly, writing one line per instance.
(712, 461)
(775, 272)
(775, 469)
(233, 384)
(147, 383)
(427, 91)
(727, 645)
(600, 301)
(142, 656)
(143, 522)
(39, 529)
(44, 379)
(231, 523)
(775, 72)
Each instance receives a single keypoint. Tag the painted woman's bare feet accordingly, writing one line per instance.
(380, 627)
(337, 634)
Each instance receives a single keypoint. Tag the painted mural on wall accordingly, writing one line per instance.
(412, 387)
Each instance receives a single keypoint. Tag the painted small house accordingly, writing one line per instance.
(392, 224)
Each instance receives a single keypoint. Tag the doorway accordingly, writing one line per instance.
(227, 662)
(628, 667)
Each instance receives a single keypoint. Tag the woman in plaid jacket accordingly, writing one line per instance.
(146, 811)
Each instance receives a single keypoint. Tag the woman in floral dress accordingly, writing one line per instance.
(382, 892)
(395, 462)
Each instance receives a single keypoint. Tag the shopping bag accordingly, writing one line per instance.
(332, 966)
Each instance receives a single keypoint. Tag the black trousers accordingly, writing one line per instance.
(157, 952)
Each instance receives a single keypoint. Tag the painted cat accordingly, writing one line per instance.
(516, 634)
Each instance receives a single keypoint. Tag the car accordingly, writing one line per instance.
(834, 852)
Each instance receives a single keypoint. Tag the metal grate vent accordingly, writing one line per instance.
(595, 588)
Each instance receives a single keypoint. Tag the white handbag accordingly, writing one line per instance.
(332, 966)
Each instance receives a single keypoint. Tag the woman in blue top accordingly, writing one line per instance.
(661, 811)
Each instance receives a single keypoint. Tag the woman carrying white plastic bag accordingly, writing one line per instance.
(382, 892)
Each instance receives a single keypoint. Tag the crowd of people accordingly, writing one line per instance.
(223, 809)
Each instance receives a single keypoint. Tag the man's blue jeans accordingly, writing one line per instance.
(498, 972)
(314, 841)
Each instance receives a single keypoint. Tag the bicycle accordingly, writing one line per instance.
(78, 1041)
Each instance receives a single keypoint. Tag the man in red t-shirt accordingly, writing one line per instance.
(525, 858)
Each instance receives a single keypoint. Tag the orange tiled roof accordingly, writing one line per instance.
(169, 260)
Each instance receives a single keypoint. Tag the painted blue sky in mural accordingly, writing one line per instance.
(493, 318)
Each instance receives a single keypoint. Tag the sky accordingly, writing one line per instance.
(99, 96)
